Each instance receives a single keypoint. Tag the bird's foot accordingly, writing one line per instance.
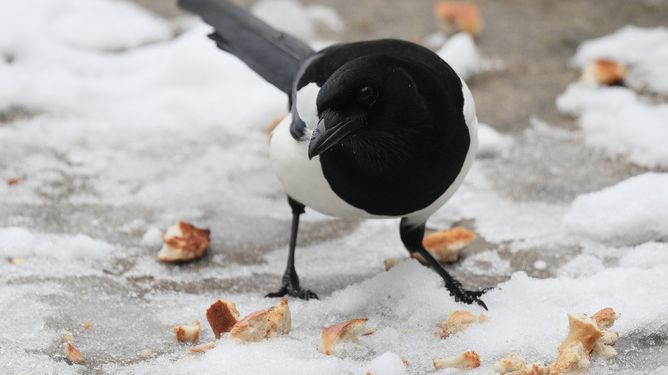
(293, 291)
(466, 296)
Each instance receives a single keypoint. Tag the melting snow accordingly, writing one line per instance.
(631, 212)
(643, 50)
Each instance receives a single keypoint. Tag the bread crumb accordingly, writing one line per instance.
(17, 261)
(87, 325)
(68, 337)
(604, 72)
(465, 361)
(201, 348)
(458, 321)
(446, 245)
(346, 331)
(183, 242)
(73, 354)
(14, 181)
(222, 316)
(515, 365)
(460, 16)
(587, 336)
(187, 333)
(390, 263)
(263, 324)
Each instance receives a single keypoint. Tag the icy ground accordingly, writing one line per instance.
(121, 130)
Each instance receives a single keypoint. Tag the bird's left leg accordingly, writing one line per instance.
(290, 280)
(411, 236)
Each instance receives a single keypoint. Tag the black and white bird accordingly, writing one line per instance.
(377, 129)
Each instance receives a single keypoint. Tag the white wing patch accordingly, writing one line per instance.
(306, 105)
(303, 178)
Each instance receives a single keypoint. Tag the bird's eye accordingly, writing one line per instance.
(367, 95)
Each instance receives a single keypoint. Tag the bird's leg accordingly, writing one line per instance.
(290, 280)
(411, 236)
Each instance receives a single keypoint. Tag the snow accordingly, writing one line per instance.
(297, 19)
(491, 142)
(121, 137)
(387, 363)
(20, 242)
(461, 52)
(643, 50)
(619, 122)
(631, 212)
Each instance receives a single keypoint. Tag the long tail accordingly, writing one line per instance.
(274, 55)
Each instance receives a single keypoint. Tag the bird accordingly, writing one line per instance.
(379, 129)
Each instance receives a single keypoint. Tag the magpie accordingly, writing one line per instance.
(376, 129)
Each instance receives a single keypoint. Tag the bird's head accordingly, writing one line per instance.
(371, 108)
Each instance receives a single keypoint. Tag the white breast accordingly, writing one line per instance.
(302, 178)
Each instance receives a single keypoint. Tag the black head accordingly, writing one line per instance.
(371, 106)
(391, 136)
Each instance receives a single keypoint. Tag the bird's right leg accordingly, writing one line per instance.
(290, 281)
(411, 236)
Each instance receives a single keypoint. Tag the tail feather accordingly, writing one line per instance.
(274, 55)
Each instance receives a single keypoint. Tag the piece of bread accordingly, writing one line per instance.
(263, 324)
(446, 245)
(390, 263)
(458, 321)
(587, 336)
(14, 181)
(346, 331)
(515, 365)
(183, 242)
(604, 347)
(605, 318)
(279, 319)
(465, 361)
(201, 348)
(73, 354)
(604, 72)
(222, 316)
(460, 16)
(574, 350)
(17, 261)
(187, 332)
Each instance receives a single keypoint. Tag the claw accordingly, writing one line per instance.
(280, 293)
(469, 296)
(300, 293)
(306, 294)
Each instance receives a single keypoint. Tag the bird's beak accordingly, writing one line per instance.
(325, 136)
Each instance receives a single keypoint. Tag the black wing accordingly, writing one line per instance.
(274, 55)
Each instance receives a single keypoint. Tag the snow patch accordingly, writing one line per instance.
(643, 50)
(631, 212)
(387, 363)
(581, 265)
(491, 142)
(461, 53)
(297, 19)
(20, 242)
(619, 122)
